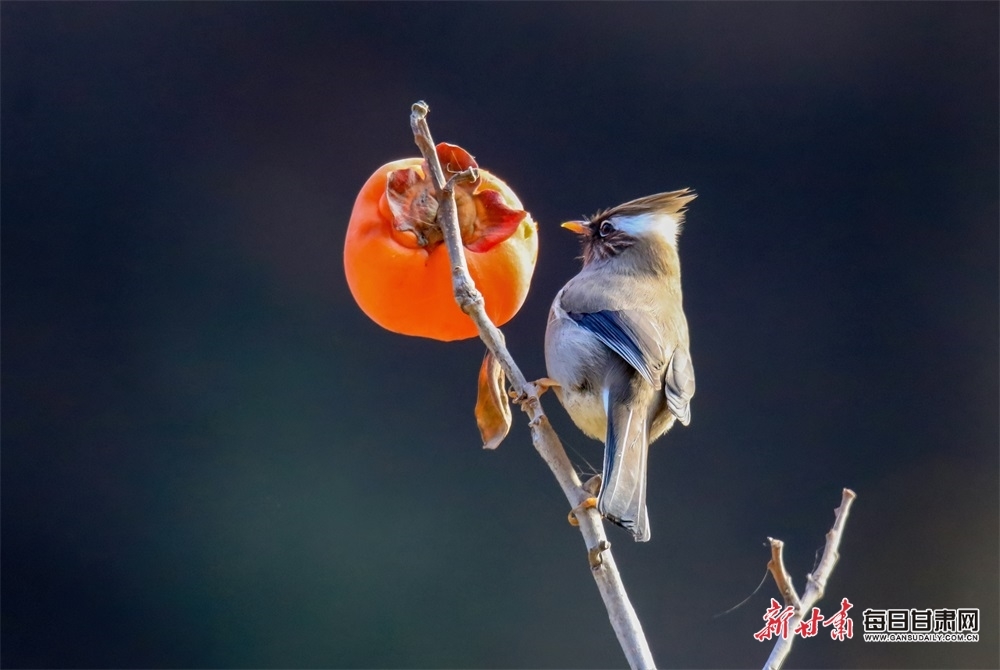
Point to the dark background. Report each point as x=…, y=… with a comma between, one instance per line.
x=212, y=458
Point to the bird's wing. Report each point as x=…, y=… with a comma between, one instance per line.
x=630, y=334
x=623, y=481
x=679, y=386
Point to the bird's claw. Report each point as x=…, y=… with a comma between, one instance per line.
x=517, y=397
x=589, y=503
x=544, y=384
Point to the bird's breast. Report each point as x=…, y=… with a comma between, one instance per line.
x=587, y=411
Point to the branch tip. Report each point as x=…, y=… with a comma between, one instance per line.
x=776, y=566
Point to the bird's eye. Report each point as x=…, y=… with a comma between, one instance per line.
x=606, y=228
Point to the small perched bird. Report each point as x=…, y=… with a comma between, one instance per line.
x=616, y=344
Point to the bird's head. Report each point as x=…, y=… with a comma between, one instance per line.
x=651, y=221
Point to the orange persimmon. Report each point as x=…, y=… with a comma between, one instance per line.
x=396, y=261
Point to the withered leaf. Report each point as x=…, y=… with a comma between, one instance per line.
x=492, y=404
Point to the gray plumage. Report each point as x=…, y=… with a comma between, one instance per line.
x=617, y=344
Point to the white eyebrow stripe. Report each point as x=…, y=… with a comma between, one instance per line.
x=656, y=223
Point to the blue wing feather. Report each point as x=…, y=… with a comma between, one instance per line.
x=615, y=330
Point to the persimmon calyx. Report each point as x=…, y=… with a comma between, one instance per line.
x=484, y=219
x=411, y=200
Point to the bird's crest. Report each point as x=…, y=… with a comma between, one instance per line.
x=673, y=203
x=601, y=240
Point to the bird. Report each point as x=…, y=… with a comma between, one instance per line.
x=617, y=350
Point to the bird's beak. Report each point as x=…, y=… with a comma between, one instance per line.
x=578, y=227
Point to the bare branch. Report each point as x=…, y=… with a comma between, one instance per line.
x=620, y=612
x=816, y=581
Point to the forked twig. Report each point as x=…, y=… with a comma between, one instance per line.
x=815, y=581
x=622, y=615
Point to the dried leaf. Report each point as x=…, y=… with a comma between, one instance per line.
x=492, y=404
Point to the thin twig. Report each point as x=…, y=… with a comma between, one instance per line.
x=816, y=581
x=777, y=567
x=622, y=615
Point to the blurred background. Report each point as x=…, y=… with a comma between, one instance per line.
x=212, y=458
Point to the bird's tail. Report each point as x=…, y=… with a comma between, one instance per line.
x=623, y=488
